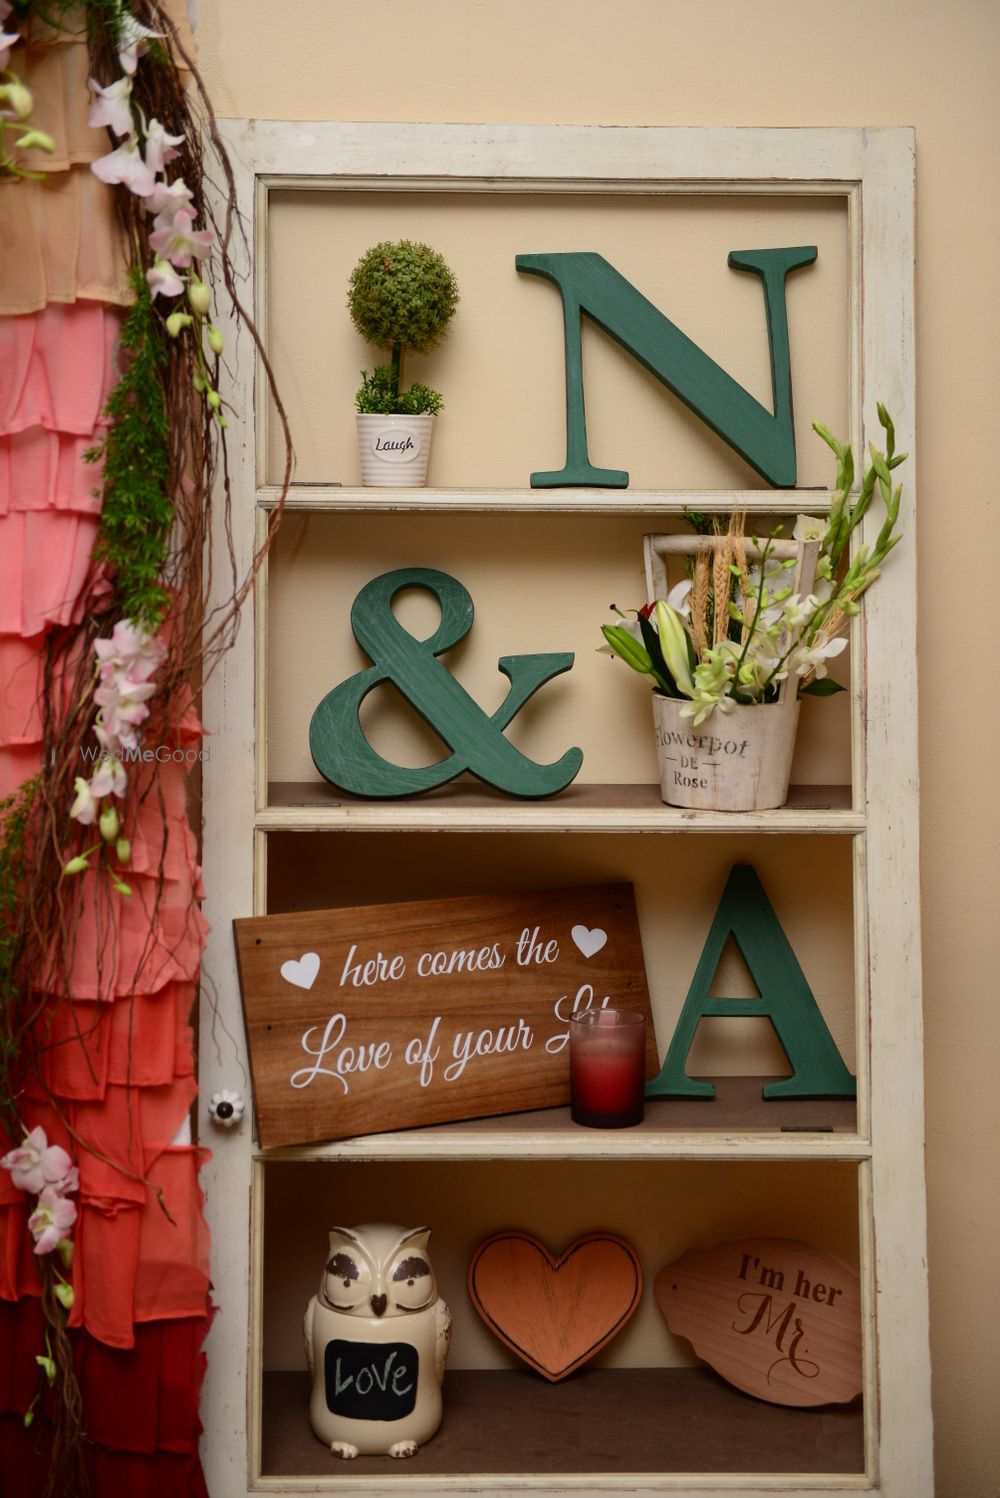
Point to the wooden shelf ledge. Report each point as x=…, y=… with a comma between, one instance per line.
x=464, y=806
x=510, y=1424
x=335, y=498
x=736, y=1123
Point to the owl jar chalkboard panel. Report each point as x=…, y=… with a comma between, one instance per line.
x=376, y=1340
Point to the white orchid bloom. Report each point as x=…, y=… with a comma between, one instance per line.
x=85, y=807
x=133, y=40
x=125, y=165
x=160, y=147
x=163, y=280
x=180, y=241
x=8, y=39
x=109, y=779
x=165, y=199
x=703, y=705
x=111, y=106
x=132, y=648
x=810, y=528
x=813, y=658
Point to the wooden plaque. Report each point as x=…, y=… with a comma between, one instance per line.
x=555, y=1312
x=779, y=1319
x=391, y=1016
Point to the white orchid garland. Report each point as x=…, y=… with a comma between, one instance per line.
x=128, y=660
x=773, y=632
x=125, y=666
x=139, y=164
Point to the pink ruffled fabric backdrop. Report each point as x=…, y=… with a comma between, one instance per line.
x=117, y=1069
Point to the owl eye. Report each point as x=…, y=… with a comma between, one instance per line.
x=413, y=1282
x=344, y=1271
x=342, y=1266
x=411, y=1269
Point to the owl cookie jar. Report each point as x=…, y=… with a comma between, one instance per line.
x=376, y=1342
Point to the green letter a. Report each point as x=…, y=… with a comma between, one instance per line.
x=588, y=283
x=818, y=1068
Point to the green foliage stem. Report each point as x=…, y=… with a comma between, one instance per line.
x=138, y=511
x=379, y=395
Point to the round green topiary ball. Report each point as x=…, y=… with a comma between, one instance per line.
x=402, y=293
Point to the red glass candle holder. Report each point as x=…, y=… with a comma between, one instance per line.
x=607, y=1068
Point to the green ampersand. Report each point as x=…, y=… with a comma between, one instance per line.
x=344, y=756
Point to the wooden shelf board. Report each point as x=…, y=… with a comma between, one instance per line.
x=468, y=806
x=737, y=1122
x=335, y=498
x=614, y=1421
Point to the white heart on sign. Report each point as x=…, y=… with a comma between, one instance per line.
x=301, y=973
x=589, y=942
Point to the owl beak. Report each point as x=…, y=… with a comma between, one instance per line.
x=378, y=1303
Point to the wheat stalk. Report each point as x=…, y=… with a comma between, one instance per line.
x=722, y=577
x=699, y=603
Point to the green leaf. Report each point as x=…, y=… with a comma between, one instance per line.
x=822, y=688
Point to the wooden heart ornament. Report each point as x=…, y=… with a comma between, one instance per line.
x=555, y=1312
x=779, y=1319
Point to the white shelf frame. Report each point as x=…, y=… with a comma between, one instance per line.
x=872, y=169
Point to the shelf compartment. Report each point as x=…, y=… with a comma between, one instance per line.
x=677, y=881
x=646, y=1404
x=306, y=806
x=612, y=1421
x=573, y=573
x=737, y=1123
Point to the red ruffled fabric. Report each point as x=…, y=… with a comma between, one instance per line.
x=140, y=1408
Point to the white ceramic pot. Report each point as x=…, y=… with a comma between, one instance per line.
x=394, y=450
x=737, y=761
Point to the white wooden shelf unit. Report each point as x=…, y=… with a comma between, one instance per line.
x=873, y=170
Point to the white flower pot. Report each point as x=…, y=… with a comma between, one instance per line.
x=394, y=450
x=736, y=761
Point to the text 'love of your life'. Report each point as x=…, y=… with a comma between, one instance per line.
x=376, y=1017
x=336, y=1057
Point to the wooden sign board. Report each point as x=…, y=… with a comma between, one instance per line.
x=392, y=1016
x=779, y=1319
x=555, y=1312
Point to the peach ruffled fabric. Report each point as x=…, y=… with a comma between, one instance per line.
x=59, y=239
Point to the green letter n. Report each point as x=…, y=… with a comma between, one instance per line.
x=588, y=283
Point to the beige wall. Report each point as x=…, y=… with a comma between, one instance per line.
x=782, y=62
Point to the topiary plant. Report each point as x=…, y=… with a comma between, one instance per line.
x=401, y=296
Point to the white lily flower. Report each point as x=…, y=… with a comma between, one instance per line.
x=673, y=643
x=678, y=597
